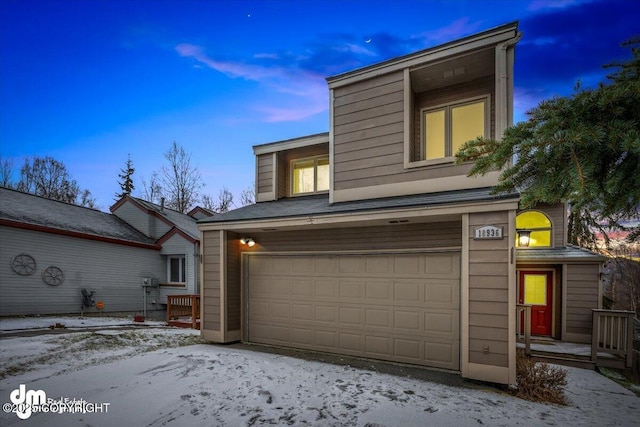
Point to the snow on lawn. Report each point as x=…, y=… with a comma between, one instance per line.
x=157, y=377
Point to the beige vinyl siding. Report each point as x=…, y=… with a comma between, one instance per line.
x=233, y=282
x=489, y=293
x=582, y=296
x=401, y=236
x=264, y=179
x=368, y=128
x=283, y=173
x=369, y=131
x=556, y=214
x=211, y=281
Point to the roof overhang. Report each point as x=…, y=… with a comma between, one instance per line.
x=569, y=254
x=363, y=218
x=461, y=46
x=289, y=144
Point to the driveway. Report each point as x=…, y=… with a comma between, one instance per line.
x=162, y=376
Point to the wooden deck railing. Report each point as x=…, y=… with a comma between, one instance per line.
x=183, y=306
x=613, y=334
x=523, y=314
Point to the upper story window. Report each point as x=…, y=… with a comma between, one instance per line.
x=176, y=269
x=533, y=230
x=310, y=175
x=446, y=128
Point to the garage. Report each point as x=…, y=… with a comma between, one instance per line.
x=402, y=307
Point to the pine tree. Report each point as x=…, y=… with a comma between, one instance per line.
x=126, y=183
x=582, y=149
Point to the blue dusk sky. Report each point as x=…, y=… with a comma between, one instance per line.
x=92, y=82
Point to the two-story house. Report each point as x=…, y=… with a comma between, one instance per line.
x=368, y=240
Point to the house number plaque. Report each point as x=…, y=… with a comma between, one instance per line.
x=487, y=232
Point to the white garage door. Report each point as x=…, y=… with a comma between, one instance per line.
x=399, y=307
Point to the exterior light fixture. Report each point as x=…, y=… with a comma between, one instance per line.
x=247, y=241
x=524, y=238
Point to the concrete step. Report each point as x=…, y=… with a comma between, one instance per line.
x=573, y=360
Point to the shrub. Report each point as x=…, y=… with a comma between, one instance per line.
x=538, y=381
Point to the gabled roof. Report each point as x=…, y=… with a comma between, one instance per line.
x=183, y=222
x=568, y=253
x=319, y=205
x=22, y=210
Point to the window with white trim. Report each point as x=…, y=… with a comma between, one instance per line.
x=310, y=175
x=176, y=269
x=446, y=128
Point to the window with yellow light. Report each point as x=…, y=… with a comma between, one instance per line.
x=533, y=230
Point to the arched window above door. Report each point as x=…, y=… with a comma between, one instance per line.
x=533, y=230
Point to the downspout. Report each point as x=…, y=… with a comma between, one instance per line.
x=504, y=85
x=196, y=268
x=504, y=119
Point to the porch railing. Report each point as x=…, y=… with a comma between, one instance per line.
x=612, y=334
x=523, y=315
x=183, y=306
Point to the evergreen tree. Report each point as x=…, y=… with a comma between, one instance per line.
x=126, y=183
x=583, y=149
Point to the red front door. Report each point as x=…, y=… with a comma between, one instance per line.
x=536, y=289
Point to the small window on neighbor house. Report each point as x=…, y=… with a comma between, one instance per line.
x=446, y=129
x=539, y=227
x=310, y=175
x=176, y=269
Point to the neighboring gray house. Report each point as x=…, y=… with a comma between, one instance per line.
x=50, y=251
x=178, y=236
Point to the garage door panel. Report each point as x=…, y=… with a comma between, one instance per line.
x=302, y=337
x=379, y=306
x=375, y=290
x=351, y=342
x=326, y=288
x=301, y=311
x=441, y=294
x=443, y=264
x=280, y=333
x=326, y=265
x=408, y=291
x=441, y=354
x=302, y=287
x=408, y=321
x=353, y=264
x=326, y=340
x=407, y=349
x=351, y=316
x=280, y=310
x=443, y=324
x=326, y=313
x=378, y=346
x=377, y=317
x=408, y=265
x=303, y=264
x=270, y=287
x=350, y=289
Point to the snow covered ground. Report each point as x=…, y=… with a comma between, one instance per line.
x=159, y=376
